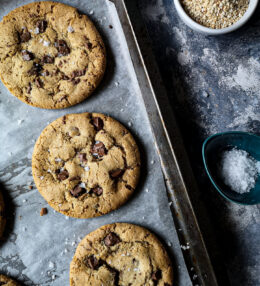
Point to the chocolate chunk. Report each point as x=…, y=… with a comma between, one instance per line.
x=38, y=83
x=41, y=25
x=82, y=157
x=92, y=262
x=157, y=275
x=77, y=191
x=116, y=173
x=98, y=150
x=167, y=284
x=62, y=48
x=97, y=190
x=29, y=88
x=75, y=178
x=44, y=211
x=25, y=36
x=2, y=283
x=27, y=56
x=111, y=239
x=64, y=77
x=75, y=81
x=63, y=175
x=35, y=70
x=78, y=73
x=47, y=60
x=98, y=123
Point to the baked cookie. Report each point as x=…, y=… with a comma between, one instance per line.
x=120, y=254
x=50, y=55
x=2, y=215
x=6, y=281
x=85, y=165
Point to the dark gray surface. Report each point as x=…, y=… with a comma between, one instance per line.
x=214, y=86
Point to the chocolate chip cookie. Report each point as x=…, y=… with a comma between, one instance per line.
x=121, y=254
x=51, y=56
x=2, y=215
x=85, y=165
x=6, y=281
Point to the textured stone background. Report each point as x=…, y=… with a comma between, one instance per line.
x=214, y=85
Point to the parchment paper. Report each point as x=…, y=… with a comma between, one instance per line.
x=37, y=250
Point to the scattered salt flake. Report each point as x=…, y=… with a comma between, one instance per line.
x=46, y=43
x=41, y=177
x=130, y=124
x=59, y=205
x=65, y=250
x=70, y=29
x=53, y=276
x=192, y=268
x=169, y=244
x=20, y=121
x=73, y=243
x=136, y=269
x=152, y=162
x=57, y=159
x=109, y=261
x=205, y=94
x=82, y=185
x=143, y=217
x=86, y=168
x=41, y=40
x=36, y=31
x=66, y=217
x=194, y=276
x=24, y=201
x=51, y=264
x=91, y=12
x=10, y=153
x=185, y=247
x=147, y=190
x=179, y=229
x=170, y=203
x=128, y=269
x=117, y=83
x=49, y=170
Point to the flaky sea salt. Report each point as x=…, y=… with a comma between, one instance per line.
x=239, y=170
x=70, y=29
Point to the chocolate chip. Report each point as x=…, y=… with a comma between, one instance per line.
x=116, y=173
x=29, y=88
x=35, y=70
x=44, y=211
x=82, y=157
x=77, y=191
x=89, y=45
x=98, y=123
x=62, y=47
x=78, y=73
x=63, y=175
x=41, y=25
x=157, y=275
x=98, y=150
x=47, y=60
x=25, y=36
x=38, y=83
x=2, y=283
x=92, y=262
x=27, y=56
x=97, y=190
x=111, y=239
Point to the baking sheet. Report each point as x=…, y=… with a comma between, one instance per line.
x=38, y=250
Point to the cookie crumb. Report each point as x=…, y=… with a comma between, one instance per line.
x=30, y=187
x=43, y=212
x=110, y=27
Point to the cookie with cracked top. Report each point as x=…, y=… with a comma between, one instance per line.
x=6, y=281
x=2, y=215
x=50, y=55
x=121, y=254
x=86, y=165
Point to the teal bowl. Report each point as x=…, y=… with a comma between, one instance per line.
x=214, y=145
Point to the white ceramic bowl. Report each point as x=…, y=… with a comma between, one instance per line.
x=202, y=29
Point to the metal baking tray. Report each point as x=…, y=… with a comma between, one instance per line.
x=133, y=93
